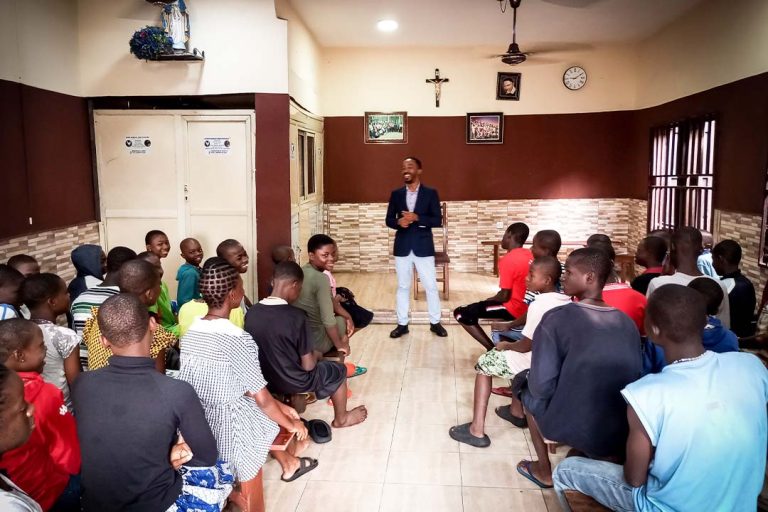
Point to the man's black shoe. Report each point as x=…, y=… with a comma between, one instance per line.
x=399, y=331
x=438, y=329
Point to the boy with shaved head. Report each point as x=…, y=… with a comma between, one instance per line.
x=128, y=416
x=188, y=275
x=585, y=353
x=693, y=443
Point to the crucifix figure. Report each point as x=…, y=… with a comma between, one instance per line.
x=438, y=85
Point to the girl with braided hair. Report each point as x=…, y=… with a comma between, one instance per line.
x=17, y=419
x=221, y=362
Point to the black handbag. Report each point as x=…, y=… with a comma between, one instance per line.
x=361, y=317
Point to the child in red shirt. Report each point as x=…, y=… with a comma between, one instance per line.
x=47, y=466
x=508, y=303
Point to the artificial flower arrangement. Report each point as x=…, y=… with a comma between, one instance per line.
x=150, y=42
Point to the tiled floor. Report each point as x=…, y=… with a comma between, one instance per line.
x=401, y=458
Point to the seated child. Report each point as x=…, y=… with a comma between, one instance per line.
x=25, y=264
x=80, y=308
x=356, y=316
x=47, y=298
x=650, y=254
x=684, y=250
x=545, y=243
x=197, y=308
x=18, y=423
x=508, y=303
x=563, y=398
x=704, y=261
x=327, y=330
x=158, y=245
x=741, y=293
x=141, y=279
x=10, y=298
x=621, y=295
x=91, y=264
x=716, y=337
x=47, y=466
x=286, y=352
x=691, y=445
x=236, y=255
x=509, y=359
x=221, y=361
x=128, y=415
x=188, y=275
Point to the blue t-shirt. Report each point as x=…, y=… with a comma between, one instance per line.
x=707, y=420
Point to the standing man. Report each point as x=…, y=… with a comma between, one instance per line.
x=412, y=212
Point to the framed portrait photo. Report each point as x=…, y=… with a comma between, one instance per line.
x=508, y=86
x=485, y=128
x=386, y=127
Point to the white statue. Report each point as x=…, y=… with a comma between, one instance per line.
x=176, y=24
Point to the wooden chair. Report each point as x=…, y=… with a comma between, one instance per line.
x=442, y=260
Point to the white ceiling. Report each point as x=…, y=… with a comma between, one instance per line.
x=352, y=23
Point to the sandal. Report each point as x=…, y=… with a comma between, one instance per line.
x=306, y=465
x=503, y=391
x=353, y=370
x=524, y=468
x=462, y=434
x=504, y=413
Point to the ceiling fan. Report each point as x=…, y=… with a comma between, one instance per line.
x=513, y=55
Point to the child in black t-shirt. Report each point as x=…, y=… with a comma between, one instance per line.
x=650, y=254
x=288, y=359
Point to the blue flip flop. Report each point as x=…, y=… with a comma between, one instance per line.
x=524, y=468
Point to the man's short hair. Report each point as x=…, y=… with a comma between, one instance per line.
x=21, y=259
x=678, y=311
x=117, y=256
x=225, y=246
x=730, y=250
x=38, y=288
x=16, y=334
x=711, y=291
x=519, y=232
x=317, y=241
x=288, y=270
x=9, y=275
x=592, y=259
x=152, y=234
x=656, y=247
x=550, y=266
x=415, y=160
x=123, y=319
x=137, y=276
x=550, y=240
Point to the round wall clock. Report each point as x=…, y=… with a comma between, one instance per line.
x=574, y=78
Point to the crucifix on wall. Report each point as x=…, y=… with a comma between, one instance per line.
x=438, y=82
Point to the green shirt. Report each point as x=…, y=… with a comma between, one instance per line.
x=316, y=301
x=163, y=309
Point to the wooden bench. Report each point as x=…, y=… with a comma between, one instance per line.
x=583, y=503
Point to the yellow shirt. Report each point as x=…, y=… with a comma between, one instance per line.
x=98, y=354
x=198, y=309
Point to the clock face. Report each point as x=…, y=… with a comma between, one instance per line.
x=574, y=78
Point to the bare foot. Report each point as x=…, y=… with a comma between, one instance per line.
x=291, y=466
x=299, y=447
x=353, y=417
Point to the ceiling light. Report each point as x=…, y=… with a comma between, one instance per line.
x=387, y=25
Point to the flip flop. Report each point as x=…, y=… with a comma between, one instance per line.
x=462, y=434
x=524, y=468
x=319, y=431
x=306, y=465
x=503, y=391
x=353, y=370
x=503, y=412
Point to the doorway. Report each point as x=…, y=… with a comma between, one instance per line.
x=187, y=173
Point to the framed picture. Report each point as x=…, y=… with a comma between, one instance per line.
x=485, y=128
x=508, y=86
x=386, y=127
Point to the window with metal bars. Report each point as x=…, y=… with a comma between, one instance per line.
x=681, y=175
